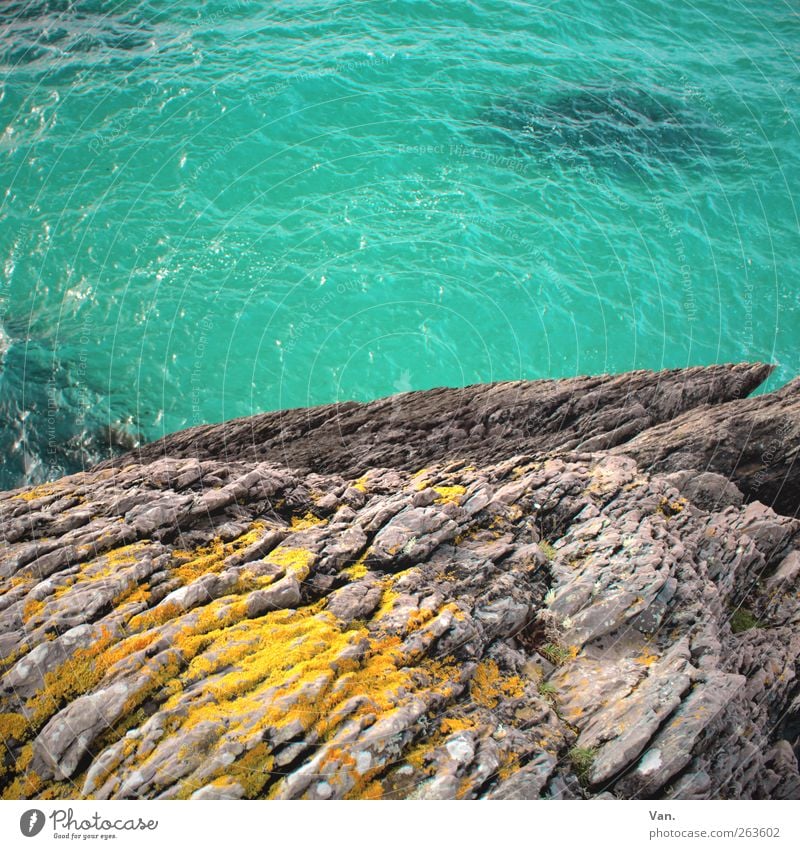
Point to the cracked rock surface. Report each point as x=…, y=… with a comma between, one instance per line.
x=555, y=589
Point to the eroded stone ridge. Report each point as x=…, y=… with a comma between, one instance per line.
x=552, y=624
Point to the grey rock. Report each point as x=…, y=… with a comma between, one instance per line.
x=513, y=591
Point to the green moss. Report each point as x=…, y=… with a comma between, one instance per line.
x=743, y=620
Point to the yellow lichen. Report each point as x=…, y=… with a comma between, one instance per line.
x=211, y=558
x=449, y=494
x=33, y=608
x=360, y=484
x=420, y=479
x=42, y=491
x=72, y=678
x=669, y=508
x=132, y=595
x=252, y=770
x=123, y=556
x=111, y=656
x=296, y=667
x=358, y=570
x=388, y=599
x=303, y=523
x=13, y=726
x=374, y=790
x=489, y=685
x=646, y=658
x=452, y=725
x=27, y=784
x=295, y=561
x=417, y=618
x=155, y=617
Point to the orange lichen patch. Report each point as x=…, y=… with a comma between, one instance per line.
x=374, y=790
x=646, y=658
x=252, y=770
x=418, y=756
x=509, y=762
x=155, y=617
x=449, y=494
x=157, y=676
x=9, y=660
x=489, y=685
x=110, y=564
x=514, y=512
x=219, y=614
x=72, y=678
x=298, y=668
x=464, y=787
x=27, y=783
x=458, y=614
x=295, y=561
x=13, y=726
x=133, y=595
x=61, y=790
x=211, y=558
x=452, y=725
x=126, y=648
x=337, y=757
x=417, y=618
x=282, y=653
x=303, y=523
x=207, y=559
x=421, y=756
x=65, y=587
x=33, y=607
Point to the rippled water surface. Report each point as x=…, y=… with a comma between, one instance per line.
x=211, y=209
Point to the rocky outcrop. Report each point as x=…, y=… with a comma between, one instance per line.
x=556, y=589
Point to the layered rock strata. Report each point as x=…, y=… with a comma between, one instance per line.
x=554, y=589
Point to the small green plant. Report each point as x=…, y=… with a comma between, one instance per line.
x=743, y=620
x=582, y=759
x=547, y=690
x=557, y=655
x=547, y=549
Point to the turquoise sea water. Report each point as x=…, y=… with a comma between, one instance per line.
x=211, y=209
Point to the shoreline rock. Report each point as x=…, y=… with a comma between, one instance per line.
x=555, y=589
